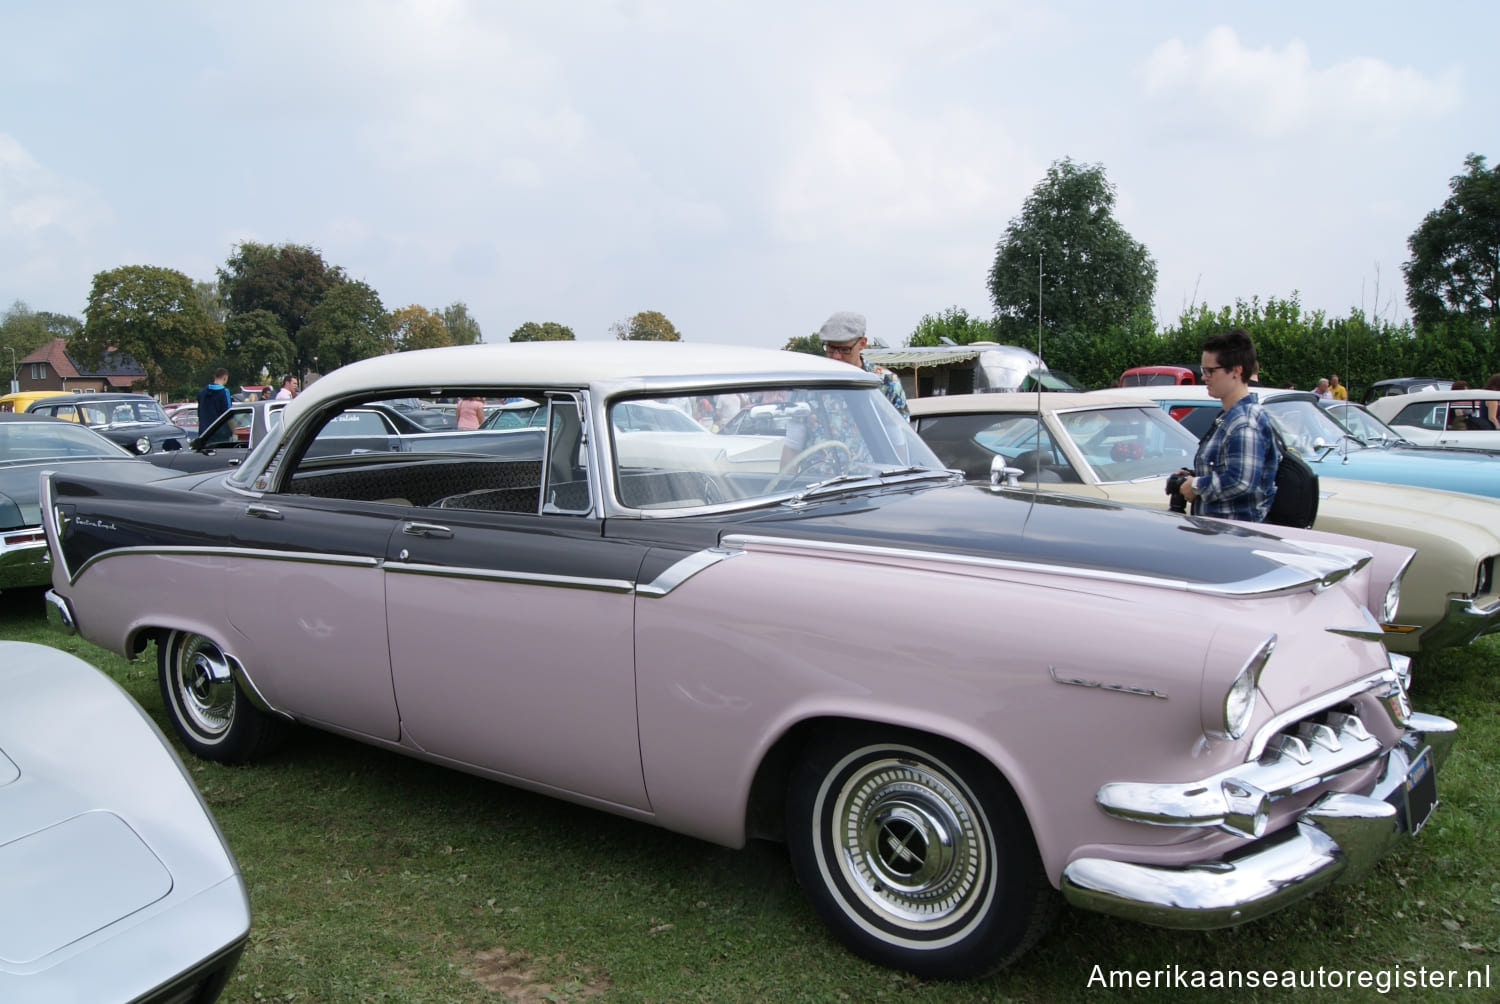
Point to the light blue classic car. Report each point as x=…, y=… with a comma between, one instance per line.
x=1332, y=450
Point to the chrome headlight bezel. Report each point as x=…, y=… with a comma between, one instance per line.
x=1392, y=600
x=143, y=445
x=1232, y=716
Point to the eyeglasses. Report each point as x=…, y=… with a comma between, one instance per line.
x=841, y=350
x=1209, y=369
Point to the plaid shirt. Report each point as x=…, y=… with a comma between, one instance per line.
x=1235, y=469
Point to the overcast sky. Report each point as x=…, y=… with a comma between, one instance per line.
x=745, y=168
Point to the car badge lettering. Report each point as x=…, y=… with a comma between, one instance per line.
x=1118, y=688
x=96, y=524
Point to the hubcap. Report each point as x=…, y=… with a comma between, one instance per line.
x=911, y=843
x=205, y=687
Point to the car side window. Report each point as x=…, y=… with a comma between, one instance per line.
x=357, y=454
x=1424, y=416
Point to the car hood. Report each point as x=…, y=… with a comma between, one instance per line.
x=1470, y=471
x=1042, y=528
x=20, y=484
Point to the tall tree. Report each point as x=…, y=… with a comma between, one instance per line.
x=547, y=331
x=347, y=325
x=462, y=329
x=1455, y=253
x=256, y=350
x=417, y=327
x=288, y=280
x=811, y=344
x=647, y=326
x=154, y=316
x=1093, y=275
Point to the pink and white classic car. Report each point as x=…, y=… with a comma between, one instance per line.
x=785, y=631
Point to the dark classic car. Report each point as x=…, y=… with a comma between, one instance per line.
x=116, y=882
x=233, y=434
x=135, y=421
x=691, y=629
x=29, y=445
x=1403, y=385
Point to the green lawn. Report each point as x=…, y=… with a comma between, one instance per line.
x=377, y=878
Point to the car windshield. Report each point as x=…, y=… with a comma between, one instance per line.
x=673, y=452
x=1363, y=425
x=1305, y=427
x=22, y=441
x=1129, y=444
x=102, y=414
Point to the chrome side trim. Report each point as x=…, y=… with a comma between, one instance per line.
x=683, y=570
x=1285, y=579
x=1370, y=630
x=1118, y=688
x=524, y=578
x=306, y=557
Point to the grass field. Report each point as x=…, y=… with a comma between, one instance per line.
x=377, y=878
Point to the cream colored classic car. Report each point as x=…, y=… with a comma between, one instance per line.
x=1122, y=448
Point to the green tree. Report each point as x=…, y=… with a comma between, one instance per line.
x=347, y=325
x=1455, y=253
x=811, y=344
x=547, y=331
x=462, y=329
x=288, y=280
x=23, y=331
x=953, y=324
x=256, y=350
x=1093, y=275
x=415, y=327
x=647, y=326
x=154, y=316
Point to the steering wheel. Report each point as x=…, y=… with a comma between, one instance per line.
x=795, y=465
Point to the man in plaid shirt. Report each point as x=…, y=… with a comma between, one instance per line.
x=1234, y=473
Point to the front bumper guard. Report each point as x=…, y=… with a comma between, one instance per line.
x=1337, y=838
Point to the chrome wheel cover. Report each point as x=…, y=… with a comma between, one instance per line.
x=204, y=688
x=911, y=845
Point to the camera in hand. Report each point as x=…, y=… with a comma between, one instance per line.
x=1174, y=491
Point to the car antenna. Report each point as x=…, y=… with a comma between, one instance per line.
x=1037, y=381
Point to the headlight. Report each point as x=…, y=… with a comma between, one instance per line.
x=143, y=445
x=1233, y=715
x=1392, y=600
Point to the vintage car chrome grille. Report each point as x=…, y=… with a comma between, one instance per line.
x=1293, y=752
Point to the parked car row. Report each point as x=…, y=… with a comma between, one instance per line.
x=916, y=780
x=1114, y=445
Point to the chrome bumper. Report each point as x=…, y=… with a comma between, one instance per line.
x=24, y=559
x=1464, y=621
x=1337, y=838
x=60, y=613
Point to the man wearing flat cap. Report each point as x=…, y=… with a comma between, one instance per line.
x=843, y=337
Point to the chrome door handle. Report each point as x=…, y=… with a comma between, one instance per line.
x=427, y=530
x=262, y=511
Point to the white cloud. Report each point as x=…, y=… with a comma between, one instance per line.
x=1280, y=93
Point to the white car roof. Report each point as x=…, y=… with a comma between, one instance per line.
x=609, y=367
x=1395, y=402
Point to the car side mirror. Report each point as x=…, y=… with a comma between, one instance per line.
x=1001, y=473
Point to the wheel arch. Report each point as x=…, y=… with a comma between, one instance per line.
x=766, y=803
